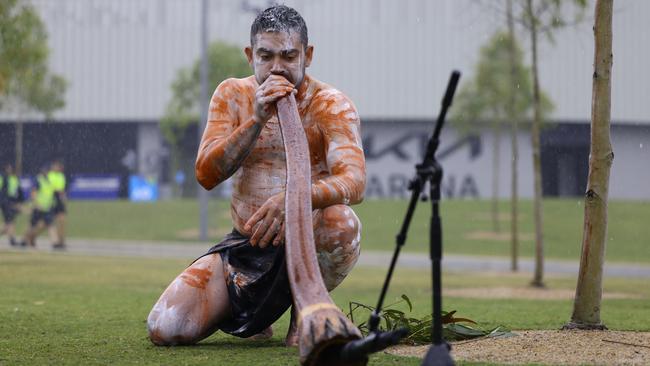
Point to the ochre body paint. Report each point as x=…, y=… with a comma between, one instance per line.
x=234, y=145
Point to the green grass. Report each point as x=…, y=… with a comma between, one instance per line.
x=58, y=309
x=629, y=234
x=173, y=220
x=63, y=309
x=618, y=314
x=464, y=225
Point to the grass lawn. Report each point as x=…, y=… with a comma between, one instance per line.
x=467, y=228
x=64, y=309
x=466, y=225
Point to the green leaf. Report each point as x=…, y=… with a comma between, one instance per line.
x=460, y=332
x=408, y=301
x=183, y=109
x=420, y=329
x=500, y=78
x=25, y=79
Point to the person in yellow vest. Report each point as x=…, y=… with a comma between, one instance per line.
x=10, y=198
x=57, y=180
x=42, y=203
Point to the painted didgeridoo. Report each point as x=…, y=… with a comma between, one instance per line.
x=323, y=328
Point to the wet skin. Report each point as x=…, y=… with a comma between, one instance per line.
x=242, y=139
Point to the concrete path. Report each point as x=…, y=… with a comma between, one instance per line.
x=191, y=250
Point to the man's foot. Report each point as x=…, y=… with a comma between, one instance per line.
x=58, y=246
x=13, y=242
x=292, y=337
x=291, y=340
x=263, y=335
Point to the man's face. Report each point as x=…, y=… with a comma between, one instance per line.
x=279, y=53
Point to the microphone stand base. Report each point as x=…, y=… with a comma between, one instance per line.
x=438, y=355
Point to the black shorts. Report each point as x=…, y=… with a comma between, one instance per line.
x=257, y=282
x=59, y=206
x=46, y=216
x=9, y=212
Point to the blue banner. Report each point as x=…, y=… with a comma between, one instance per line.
x=94, y=187
x=142, y=189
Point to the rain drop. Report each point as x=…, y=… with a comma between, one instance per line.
x=641, y=145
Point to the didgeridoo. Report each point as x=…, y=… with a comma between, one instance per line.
x=323, y=328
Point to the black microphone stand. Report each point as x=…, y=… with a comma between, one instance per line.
x=428, y=171
x=431, y=170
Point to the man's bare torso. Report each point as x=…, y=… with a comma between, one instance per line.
x=331, y=125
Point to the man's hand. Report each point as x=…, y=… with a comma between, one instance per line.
x=272, y=89
x=267, y=223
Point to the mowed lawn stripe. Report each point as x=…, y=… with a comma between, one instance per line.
x=65, y=309
x=466, y=225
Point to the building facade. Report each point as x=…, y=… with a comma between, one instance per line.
x=393, y=58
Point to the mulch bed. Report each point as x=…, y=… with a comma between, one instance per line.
x=550, y=347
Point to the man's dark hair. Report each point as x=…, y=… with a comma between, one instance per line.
x=279, y=18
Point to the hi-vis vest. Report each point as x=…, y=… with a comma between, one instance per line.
x=45, y=194
x=12, y=186
x=57, y=180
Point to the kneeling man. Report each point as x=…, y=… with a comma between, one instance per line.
x=240, y=286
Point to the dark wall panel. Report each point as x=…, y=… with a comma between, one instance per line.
x=86, y=148
x=565, y=160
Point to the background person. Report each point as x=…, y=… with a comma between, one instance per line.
x=42, y=198
x=11, y=195
x=56, y=177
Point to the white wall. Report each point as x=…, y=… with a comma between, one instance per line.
x=630, y=173
x=391, y=57
x=395, y=149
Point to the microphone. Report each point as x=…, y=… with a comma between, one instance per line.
x=374, y=342
x=451, y=88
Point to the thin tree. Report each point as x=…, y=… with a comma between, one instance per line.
x=535, y=17
x=537, y=161
x=514, y=144
x=500, y=91
x=182, y=110
x=26, y=84
x=541, y=17
x=587, y=302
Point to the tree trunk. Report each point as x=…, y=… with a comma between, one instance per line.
x=495, y=177
x=537, y=166
x=514, y=196
x=175, y=165
x=19, y=143
x=587, y=302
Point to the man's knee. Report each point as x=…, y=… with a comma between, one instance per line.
x=338, y=227
x=338, y=234
x=167, y=329
x=191, y=305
